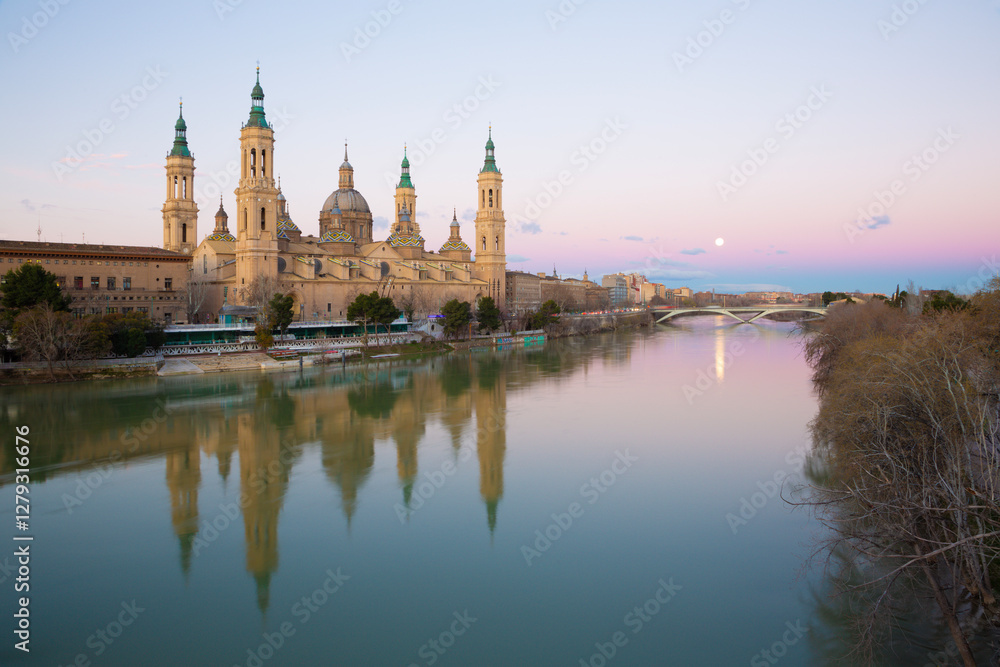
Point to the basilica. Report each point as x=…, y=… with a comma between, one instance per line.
x=323, y=272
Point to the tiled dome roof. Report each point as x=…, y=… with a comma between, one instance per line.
x=337, y=236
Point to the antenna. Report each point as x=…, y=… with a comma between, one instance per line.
x=39, y=226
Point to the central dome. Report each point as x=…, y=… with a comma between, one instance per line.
x=346, y=199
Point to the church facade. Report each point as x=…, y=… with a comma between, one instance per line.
x=324, y=271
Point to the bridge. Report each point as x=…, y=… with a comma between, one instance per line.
x=751, y=313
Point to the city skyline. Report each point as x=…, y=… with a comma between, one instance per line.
x=626, y=145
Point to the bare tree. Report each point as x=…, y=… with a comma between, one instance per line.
x=909, y=432
x=43, y=334
x=413, y=301
x=194, y=294
x=259, y=292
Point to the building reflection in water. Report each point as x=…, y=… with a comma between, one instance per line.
x=267, y=422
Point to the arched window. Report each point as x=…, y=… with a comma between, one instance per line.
x=484, y=198
x=263, y=162
x=484, y=243
x=175, y=187
x=244, y=163
x=184, y=232
x=491, y=197
x=253, y=162
x=244, y=226
x=185, y=180
x=262, y=219
x=498, y=243
x=204, y=264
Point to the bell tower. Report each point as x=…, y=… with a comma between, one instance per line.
x=180, y=212
x=491, y=257
x=256, y=197
x=406, y=199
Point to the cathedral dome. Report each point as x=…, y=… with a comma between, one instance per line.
x=347, y=200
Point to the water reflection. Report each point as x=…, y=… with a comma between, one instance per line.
x=268, y=421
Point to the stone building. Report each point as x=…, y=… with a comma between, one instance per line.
x=105, y=279
x=324, y=271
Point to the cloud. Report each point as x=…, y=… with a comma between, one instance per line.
x=468, y=215
x=31, y=206
x=739, y=288
x=877, y=221
x=632, y=238
x=380, y=222
x=563, y=233
x=518, y=258
x=530, y=228
x=656, y=275
x=693, y=251
x=780, y=252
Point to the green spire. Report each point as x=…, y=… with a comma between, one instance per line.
x=180, y=136
x=490, y=164
x=404, y=178
x=257, y=105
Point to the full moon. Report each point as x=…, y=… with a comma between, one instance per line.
x=719, y=241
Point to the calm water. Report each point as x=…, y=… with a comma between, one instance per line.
x=534, y=506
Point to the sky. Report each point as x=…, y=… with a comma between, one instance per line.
x=827, y=146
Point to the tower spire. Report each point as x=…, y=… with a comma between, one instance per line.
x=180, y=135
x=257, y=118
x=490, y=164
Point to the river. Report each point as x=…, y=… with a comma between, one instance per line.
x=615, y=499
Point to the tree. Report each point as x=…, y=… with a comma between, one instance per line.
x=131, y=333
x=457, y=316
x=27, y=287
x=259, y=292
x=262, y=332
x=487, y=314
x=43, y=334
x=545, y=315
x=945, y=301
x=910, y=443
x=656, y=300
x=194, y=294
x=280, y=313
x=372, y=309
x=413, y=301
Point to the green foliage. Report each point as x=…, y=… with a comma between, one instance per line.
x=830, y=297
x=457, y=316
x=487, y=314
x=280, y=312
x=545, y=315
x=29, y=286
x=131, y=333
x=372, y=309
x=945, y=301
x=262, y=332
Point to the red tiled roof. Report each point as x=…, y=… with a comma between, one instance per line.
x=89, y=249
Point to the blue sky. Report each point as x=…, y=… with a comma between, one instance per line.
x=631, y=135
